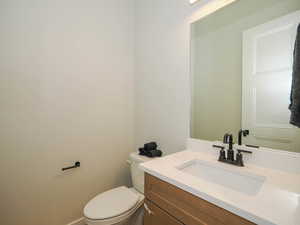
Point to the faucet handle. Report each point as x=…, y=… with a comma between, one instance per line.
x=244, y=151
x=219, y=146
x=222, y=156
x=239, y=157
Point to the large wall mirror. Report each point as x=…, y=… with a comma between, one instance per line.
x=242, y=59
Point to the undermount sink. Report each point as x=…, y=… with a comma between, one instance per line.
x=243, y=182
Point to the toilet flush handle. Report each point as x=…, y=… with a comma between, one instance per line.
x=148, y=210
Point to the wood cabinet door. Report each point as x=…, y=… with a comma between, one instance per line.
x=156, y=216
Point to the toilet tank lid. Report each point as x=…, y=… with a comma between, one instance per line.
x=111, y=203
x=137, y=158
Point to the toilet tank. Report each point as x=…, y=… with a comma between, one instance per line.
x=137, y=175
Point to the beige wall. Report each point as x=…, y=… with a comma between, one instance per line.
x=162, y=92
x=66, y=94
x=217, y=63
x=162, y=73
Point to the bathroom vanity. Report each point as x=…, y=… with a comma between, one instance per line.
x=193, y=188
x=170, y=205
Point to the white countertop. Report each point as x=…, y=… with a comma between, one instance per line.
x=276, y=203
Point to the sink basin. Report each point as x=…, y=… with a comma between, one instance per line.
x=243, y=182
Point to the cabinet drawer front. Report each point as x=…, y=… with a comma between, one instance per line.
x=186, y=207
x=156, y=216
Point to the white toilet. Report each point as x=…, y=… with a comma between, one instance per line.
x=122, y=205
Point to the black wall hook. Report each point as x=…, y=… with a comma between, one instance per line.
x=76, y=165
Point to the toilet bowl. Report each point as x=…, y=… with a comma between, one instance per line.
x=121, y=205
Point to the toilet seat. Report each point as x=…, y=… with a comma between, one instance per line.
x=113, y=206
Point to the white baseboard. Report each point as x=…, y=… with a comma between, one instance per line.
x=77, y=222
